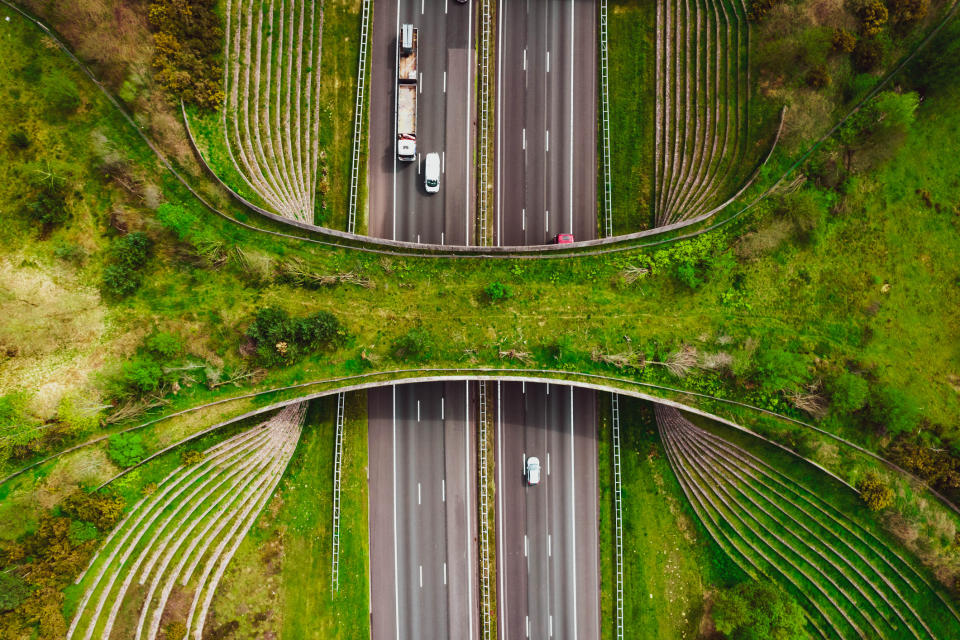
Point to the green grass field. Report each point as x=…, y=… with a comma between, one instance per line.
x=631, y=57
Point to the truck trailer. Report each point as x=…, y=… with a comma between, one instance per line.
x=407, y=88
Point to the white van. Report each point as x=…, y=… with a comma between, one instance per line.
x=431, y=173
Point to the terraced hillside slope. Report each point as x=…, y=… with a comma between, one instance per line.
x=271, y=110
x=851, y=583
x=702, y=138
x=161, y=565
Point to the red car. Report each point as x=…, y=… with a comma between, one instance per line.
x=563, y=238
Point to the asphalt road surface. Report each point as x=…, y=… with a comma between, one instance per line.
x=548, y=547
x=546, y=140
x=423, y=538
x=400, y=207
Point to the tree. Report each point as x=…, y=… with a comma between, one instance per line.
x=818, y=77
x=496, y=291
x=48, y=205
x=416, y=345
x=758, y=611
x=874, y=492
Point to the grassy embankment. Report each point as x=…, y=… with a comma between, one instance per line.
x=338, y=86
x=280, y=580
x=670, y=562
x=631, y=50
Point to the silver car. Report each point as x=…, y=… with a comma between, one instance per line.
x=533, y=470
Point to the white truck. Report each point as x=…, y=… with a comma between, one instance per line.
x=407, y=81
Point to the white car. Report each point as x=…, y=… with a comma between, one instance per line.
x=431, y=173
x=533, y=470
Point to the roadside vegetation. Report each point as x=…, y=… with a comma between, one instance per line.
x=123, y=298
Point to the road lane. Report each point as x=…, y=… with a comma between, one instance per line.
x=548, y=549
x=546, y=161
x=422, y=526
x=400, y=207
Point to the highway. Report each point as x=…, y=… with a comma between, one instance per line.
x=547, y=538
x=399, y=206
x=546, y=121
x=423, y=540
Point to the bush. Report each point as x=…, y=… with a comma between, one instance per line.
x=867, y=55
x=894, y=411
x=758, y=9
x=873, y=15
x=190, y=458
x=780, y=370
x=280, y=338
x=78, y=415
x=848, y=392
x=131, y=250
x=908, y=12
x=128, y=255
x=81, y=532
x=126, y=449
x=103, y=511
x=758, y=611
x=874, y=492
x=164, y=345
x=141, y=375
x=13, y=591
x=496, y=291
x=844, y=41
x=187, y=37
x=119, y=281
x=48, y=205
x=416, y=345
x=817, y=77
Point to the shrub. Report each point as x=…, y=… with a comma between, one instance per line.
x=844, y=41
x=867, y=55
x=119, y=281
x=416, y=345
x=103, y=511
x=48, y=205
x=81, y=532
x=131, y=250
x=280, y=338
x=128, y=255
x=874, y=492
x=908, y=12
x=164, y=345
x=894, y=411
x=187, y=37
x=141, y=375
x=780, y=370
x=873, y=15
x=13, y=591
x=817, y=77
x=758, y=611
x=758, y=9
x=496, y=291
x=190, y=458
x=78, y=415
x=126, y=449
x=848, y=392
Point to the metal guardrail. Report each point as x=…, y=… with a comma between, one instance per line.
x=358, y=117
x=486, y=44
x=618, y=512
x=487, y=613
x=337, y=464
x=605, y=123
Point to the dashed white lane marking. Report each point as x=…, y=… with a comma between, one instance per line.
x=548, y=62
x=548, y=141
x=524, y=545
x=524, y=138
x=443, y=490
x=421, y=576
x=418, y=494
x=444, y=81
x=444, y=573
